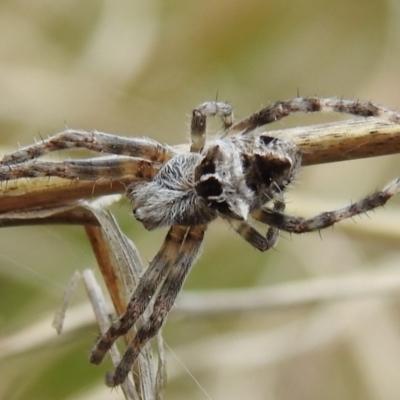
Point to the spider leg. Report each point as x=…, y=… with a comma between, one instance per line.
x=95, y=141
x=252, y=236
x=198, y=124
x=165, y=300
x=282, y=109
x=300, y=225
x=149, y=282
x=91, y=170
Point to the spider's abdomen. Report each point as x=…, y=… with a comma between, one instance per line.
x=170, y=198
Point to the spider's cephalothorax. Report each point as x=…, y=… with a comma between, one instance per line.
x=241, y=174
x=230, y=177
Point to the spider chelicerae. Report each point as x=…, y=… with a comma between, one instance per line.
x=241, y=174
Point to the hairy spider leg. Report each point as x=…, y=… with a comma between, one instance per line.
x=148, y=284
x=282, y=109
x=191, y=239
x=301, y=225
x=90, y=170
x=96, y=141
x=252, y=236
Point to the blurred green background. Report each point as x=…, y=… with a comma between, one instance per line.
x=138, y=68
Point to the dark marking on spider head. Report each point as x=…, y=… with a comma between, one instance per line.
x=210, y=187
x=217, y=181
x=266, y=140
x=207, y=182
x=208, y=163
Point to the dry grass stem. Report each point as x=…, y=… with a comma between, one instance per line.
x=100, y=311
x=296, y=294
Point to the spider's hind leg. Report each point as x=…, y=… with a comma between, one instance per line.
x=198, y=124
x=294, y=224
x=281, y=109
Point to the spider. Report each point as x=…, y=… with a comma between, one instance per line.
x=241, y=174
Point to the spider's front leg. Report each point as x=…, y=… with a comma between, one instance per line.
x=301, y=225
x=172, y=263
x=177, y=272
x=143, y=294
